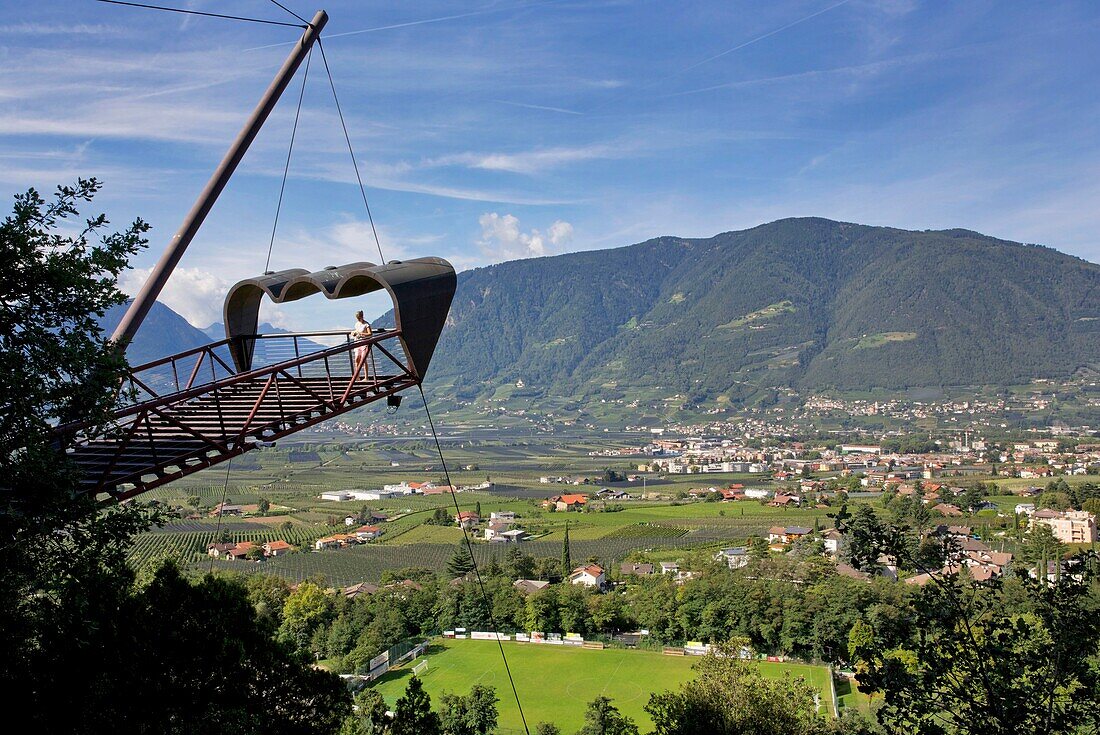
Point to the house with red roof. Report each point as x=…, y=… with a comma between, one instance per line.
x=590, y=575
x=467, y=518
x=277, y=548
x=564, y=503
x=367, y=533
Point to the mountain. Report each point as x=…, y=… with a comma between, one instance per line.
x=806, y=303
x=164, y=332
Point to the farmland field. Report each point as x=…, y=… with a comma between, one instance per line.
x=579, y=675
x=658, y=521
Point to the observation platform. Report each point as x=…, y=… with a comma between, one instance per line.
x=190, y=411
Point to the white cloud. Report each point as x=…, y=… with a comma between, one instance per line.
x=502, y=238
x=528, y=162
x=195, y=294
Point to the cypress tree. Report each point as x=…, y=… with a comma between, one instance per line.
x=566, y=559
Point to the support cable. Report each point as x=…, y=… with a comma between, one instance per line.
x=199, y=12
x=286, y=168
x=279, y=4
x=221, y=511
x=362, y=189
x=477, y=573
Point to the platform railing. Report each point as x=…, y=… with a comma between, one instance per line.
x=205, y=421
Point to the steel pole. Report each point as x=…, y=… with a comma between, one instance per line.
x=143, y=301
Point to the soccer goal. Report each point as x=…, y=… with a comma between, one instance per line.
x=420, y=666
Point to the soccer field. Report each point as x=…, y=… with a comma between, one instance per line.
x=555, y=683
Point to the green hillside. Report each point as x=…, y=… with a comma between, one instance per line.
x=806, y=303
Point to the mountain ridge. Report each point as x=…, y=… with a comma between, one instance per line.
x=800, y=302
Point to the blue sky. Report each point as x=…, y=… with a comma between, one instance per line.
x=487, y=131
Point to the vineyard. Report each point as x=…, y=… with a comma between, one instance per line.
x=646, y=530
x=367, y=563
x=189, y=547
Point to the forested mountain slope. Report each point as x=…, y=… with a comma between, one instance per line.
x=808, y=303
x=163, y=333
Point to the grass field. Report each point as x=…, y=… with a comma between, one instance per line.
x=555, y=683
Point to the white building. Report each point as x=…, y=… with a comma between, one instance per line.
x=734, y=558
x=591, y=575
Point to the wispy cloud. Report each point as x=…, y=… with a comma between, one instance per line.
x=528, y=162
x=543, y=108
x=63, y=29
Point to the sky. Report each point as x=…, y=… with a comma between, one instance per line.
x=488, y=131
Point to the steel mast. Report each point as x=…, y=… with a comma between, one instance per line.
x=143, y=301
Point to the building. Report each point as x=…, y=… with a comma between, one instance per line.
x=734, y=558
x=1069, y=527
x=591, y=575
x=670, y=567
x=225, y=509
x=530, y=586
x=335, y=541
x=467, y=518
x=363, y=588
x=367, y=533
x=277, y=548
x=629, y=569
x=787, y=534
x=564, y=503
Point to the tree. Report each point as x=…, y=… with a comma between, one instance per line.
x=519, y=565
x=1041, y=545
x=265, y=506
x=370, y=716
x=863, y=533
x=758, y=548
x=547, y=728
x=413, y=713
x=731, y=696
x=566, y=558
x=305, y=610
x=541, y=611
x=474, y=714
x=1054, y=500
x=1005, y=656
x=462, y=560
x=604, y=718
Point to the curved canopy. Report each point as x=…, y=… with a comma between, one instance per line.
x=421, y=290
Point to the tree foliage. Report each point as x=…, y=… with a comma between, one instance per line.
x=472, y=714
x=729, y=697
x=413, y=714
x=602, y=717
x=1007, y=656
x=85, y=648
